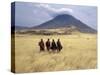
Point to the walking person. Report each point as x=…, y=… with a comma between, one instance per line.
x=48, y=44
x=59, y=46
x=41, y=45
x=53, y=45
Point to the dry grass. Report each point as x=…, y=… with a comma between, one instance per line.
x=79, y=52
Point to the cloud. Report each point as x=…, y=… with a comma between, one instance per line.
x=55, y=11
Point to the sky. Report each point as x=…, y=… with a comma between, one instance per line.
x=31, y=14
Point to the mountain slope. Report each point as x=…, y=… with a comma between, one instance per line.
x=65, y=20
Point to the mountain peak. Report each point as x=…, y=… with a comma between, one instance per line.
x=63, y=16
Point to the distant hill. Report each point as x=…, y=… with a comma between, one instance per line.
x=19, y=27
x=65, y=21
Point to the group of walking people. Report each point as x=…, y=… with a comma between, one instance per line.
x=50, y=46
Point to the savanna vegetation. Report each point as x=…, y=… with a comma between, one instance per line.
x=79, y=52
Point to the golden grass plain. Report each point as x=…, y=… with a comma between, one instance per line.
x=79, y=52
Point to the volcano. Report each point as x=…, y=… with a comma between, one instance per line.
x=65, y=21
